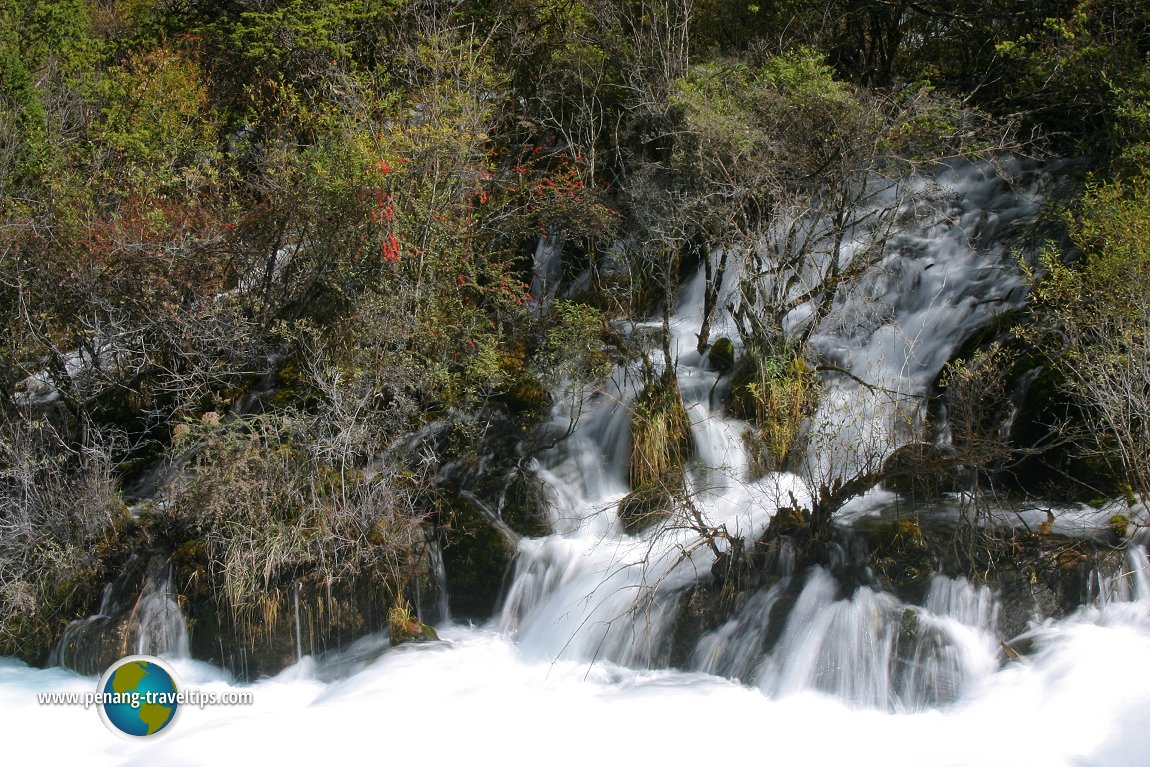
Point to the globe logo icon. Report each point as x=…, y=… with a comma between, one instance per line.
x=139, y=696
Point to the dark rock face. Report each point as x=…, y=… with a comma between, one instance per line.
x=156, y=607
x=477, y=553
x=722, y=356
x=523, y=505
x=268, y=637
x=921, y=471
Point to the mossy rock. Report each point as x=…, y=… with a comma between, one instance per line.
x=777, y=394
x=476, y=556
x=788, y=520
x=899, y=551
x=897, y=536
x=260, y=639
x=644, y=507
x=1118, y=526
x=526, y=395
x=524, y=505
x=404, y=628
x=921, y=470
x=722, y=356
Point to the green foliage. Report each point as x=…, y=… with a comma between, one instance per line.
x=158, y=124
x=572, y=349
x=56, y=33
x=661, y=445
x=22, y=124
x=777, y=393
x=1100, y=312
x=1083, y=71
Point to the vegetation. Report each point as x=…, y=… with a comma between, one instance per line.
x=777, y=394
x=254, y=256
x=1097, y=311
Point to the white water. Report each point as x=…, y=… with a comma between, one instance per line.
x=936, y=283
x=1082, y=699
x=568, y=673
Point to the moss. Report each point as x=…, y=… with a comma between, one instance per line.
x=722, y=356
x=1118, y=526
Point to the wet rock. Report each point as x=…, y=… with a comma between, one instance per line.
x=722, y=356
x=899, y=552
x=477, y=553
x=920, y=470
x=644, y=507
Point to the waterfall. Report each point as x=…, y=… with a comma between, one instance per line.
x=138, y=614
x=592, y=593
x=939, y=280
x=160, y=625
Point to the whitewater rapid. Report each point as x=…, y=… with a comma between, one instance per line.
x=1082, y=700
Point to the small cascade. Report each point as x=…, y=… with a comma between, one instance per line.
x=868, y=648
x=737, y=648
x=898, y=324
x=433, y=609
x=138, y=615
x=592, y=593
x=545, y=277
x=160, y=627
x=954, y=644
x=842, y=647
x=1129, y=582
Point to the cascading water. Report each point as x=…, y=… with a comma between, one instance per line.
x=593, y=594
x=131, y=619
x=828, y=670
x=896, y=326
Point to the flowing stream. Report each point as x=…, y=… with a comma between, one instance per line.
x=810, y=669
